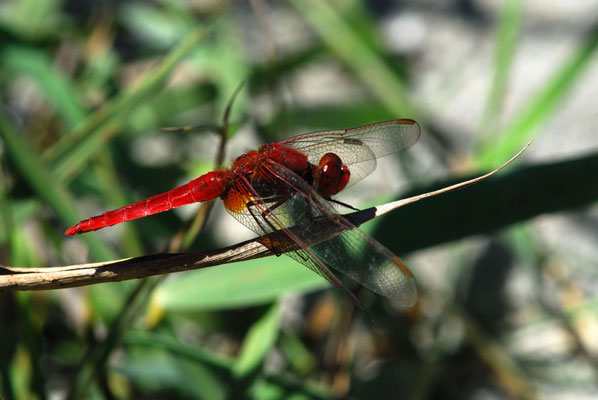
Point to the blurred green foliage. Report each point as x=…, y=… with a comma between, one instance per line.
x=85, y=86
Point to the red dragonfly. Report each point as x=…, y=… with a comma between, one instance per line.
x=287, y=188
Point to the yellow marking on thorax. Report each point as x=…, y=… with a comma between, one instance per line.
x=236, y=201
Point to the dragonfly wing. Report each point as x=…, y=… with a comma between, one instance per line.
x=348, y=249
x=362, y=258
x=358, y=147
x=324, y=237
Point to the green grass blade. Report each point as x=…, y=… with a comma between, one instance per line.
x=508, y=198
x=56, y=87
x=75, y=148
x=195, y=353
x=368, y=65
x=506, y=40
x=33, y=19
x=258, y=342
x=236, y=285
x=539, y=110
x=66, y=168
x=47, y=186
x=297, y=354
x=159, y=27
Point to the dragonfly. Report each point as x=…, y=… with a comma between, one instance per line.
x=288, y=188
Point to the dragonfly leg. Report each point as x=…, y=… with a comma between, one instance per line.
x=340, y=203
x=279, y=201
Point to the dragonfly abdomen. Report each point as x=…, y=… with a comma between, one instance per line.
x=206, y=187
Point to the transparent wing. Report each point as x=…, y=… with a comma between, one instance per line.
x=358, y=147
x=321, y=235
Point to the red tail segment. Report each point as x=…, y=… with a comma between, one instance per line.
x=206, y=187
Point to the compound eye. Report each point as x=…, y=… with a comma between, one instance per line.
x=333, y=175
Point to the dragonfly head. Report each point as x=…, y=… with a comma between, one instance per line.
x=332, y=176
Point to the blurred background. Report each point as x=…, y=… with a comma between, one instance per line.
x=507, y=270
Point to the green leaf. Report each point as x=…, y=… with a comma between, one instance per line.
x=541, y=108
x=355, y=52
x=47, y=186
x=56, y=88
x=236, y=285
x=15, y=213
x=297, y=354
x=506, y=40
x=33, y=19
x=260, y=339
x=507, y=198
x=195, y=353
x=74, y=149
x=155, y=370
x=157, y=26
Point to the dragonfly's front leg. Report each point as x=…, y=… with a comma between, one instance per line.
x=340, y=203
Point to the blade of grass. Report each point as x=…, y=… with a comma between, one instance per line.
x=97, y=356
x=32, y=342
x=508, y=198
x=142, y=117
x=297, y=353
x=8, y=335
x=47, y=186
x=15, y=213
x=545, y=102
x=357, y=55
x=223, y=364
x=258, y=342
x=198, y=354
x=76, y=147
x=6, y=209
x=506, y=40
x=166, y=104
x=66, y=168
x=244, y=284
x=53, y=84
x=35, y=20
x=159, y=27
